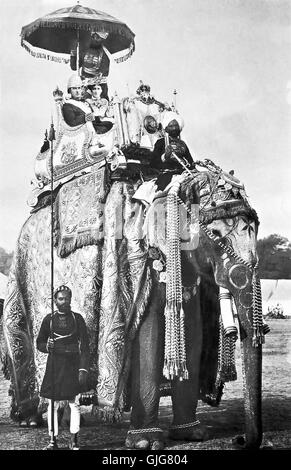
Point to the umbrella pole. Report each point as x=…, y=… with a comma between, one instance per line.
x=78, y=52
x=51, y=139
x=175, y=99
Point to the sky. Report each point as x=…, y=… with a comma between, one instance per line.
x=229, y=61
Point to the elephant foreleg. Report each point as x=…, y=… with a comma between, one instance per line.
x=147, y=362
x=185, y=425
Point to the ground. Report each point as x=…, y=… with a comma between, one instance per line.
x=223, y=423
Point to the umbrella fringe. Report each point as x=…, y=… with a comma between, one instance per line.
x=124, y=57
x=41, y=54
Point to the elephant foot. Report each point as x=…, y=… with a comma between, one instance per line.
x=189, y=432
x=240, y=442
x=145, y=439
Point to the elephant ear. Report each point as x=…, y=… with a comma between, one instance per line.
x=210, y=311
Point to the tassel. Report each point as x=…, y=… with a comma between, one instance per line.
x=258, y=326
x=175, y=353
x=107, y=414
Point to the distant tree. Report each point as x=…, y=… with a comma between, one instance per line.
x=5, y=261
x=274, y=254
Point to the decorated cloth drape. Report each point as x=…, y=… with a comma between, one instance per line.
x=103, y=280
x=28, y=302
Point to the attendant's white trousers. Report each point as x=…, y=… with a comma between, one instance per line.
x=75, y=416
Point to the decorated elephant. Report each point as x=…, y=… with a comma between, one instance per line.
x=225, y=260
x=103, y=254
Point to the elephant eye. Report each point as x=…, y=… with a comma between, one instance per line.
x=217, y=233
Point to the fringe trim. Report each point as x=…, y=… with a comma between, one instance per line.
x=54, y=57
x=228, y=210
x=107, y=414
x=258, y=326
x=69, y=246
x=123, y=58
x=41, y=54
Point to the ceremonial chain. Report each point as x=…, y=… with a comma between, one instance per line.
x=187, y=425
x=143, y=430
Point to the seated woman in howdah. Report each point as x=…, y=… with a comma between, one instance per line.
x=77, y=111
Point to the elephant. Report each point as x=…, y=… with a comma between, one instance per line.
x=122, y=297
x=224, y=257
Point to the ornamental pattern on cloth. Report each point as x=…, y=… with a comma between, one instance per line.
x=120, y=263
x=28, y=302
x=79, y=212
x=124, y=264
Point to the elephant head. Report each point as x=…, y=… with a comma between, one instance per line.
x=228, y=233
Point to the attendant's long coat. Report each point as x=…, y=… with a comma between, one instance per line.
x=71, y=353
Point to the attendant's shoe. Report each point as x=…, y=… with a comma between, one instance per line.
x=52, y=445
x=32, y=422
x=74, y=445
x=23, y=423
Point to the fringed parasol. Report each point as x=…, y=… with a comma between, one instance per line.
x=53, y=36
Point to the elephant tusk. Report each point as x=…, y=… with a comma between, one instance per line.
x=227, y=315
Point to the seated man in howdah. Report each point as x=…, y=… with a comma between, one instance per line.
x=76, y=111
x=170, y=157
x=168, y=148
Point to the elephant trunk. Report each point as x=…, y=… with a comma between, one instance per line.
x=247, y=304
x=252, y=389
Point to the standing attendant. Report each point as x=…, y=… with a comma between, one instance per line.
x=68, y=355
